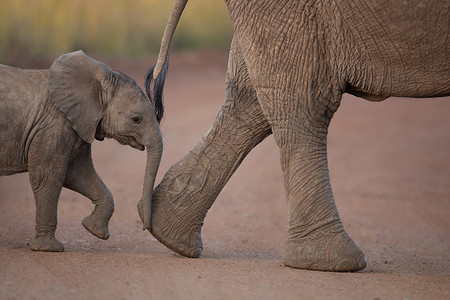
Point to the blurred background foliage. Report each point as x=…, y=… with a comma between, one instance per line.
x=44, y=29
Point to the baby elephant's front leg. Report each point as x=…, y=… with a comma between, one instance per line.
x=97, y=222
x=82, y=178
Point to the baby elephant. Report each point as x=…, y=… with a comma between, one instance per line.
x=48, y=120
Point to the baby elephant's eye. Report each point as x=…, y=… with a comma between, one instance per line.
x=136, y=119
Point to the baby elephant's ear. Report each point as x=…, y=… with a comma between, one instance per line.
x=75, y=87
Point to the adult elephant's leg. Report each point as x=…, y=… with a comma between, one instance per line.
x=190, y=187
x=82, y=178
x=299, y=87
x=299, y=119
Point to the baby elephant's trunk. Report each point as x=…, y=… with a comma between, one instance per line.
x=154, y=153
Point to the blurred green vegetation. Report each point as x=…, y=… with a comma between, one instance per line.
x=44, y=29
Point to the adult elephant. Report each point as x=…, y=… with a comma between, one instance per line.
x=290, y=62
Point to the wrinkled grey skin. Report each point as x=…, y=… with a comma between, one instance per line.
x=290, y=62
x=49, y=119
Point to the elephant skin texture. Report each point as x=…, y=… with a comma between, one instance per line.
x=49, y=120
x=289, y=64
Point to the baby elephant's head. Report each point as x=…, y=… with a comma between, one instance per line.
x=128, y=115
x=100, y=102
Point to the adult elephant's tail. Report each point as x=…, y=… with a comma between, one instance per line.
x=175, y=15
x=158, y=71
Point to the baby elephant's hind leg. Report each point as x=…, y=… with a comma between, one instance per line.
x=82, y=178
x=46, y=197
x=46, y=183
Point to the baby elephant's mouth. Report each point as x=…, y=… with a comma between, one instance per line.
x=129, y=140
x=133, y=143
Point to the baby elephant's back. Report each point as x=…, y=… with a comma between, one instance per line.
x=22, y=85
x=22, y=95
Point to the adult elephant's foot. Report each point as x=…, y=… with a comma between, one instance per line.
x=97, y=226
x=173, y=230
x=47, y=243
x=338, y=253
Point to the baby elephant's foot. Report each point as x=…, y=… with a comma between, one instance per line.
x=338, y=254
x=47, y=244
x=96, y=226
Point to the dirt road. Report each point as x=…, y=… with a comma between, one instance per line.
x=390, y=169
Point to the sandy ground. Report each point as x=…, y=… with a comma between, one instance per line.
x=390, y=170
